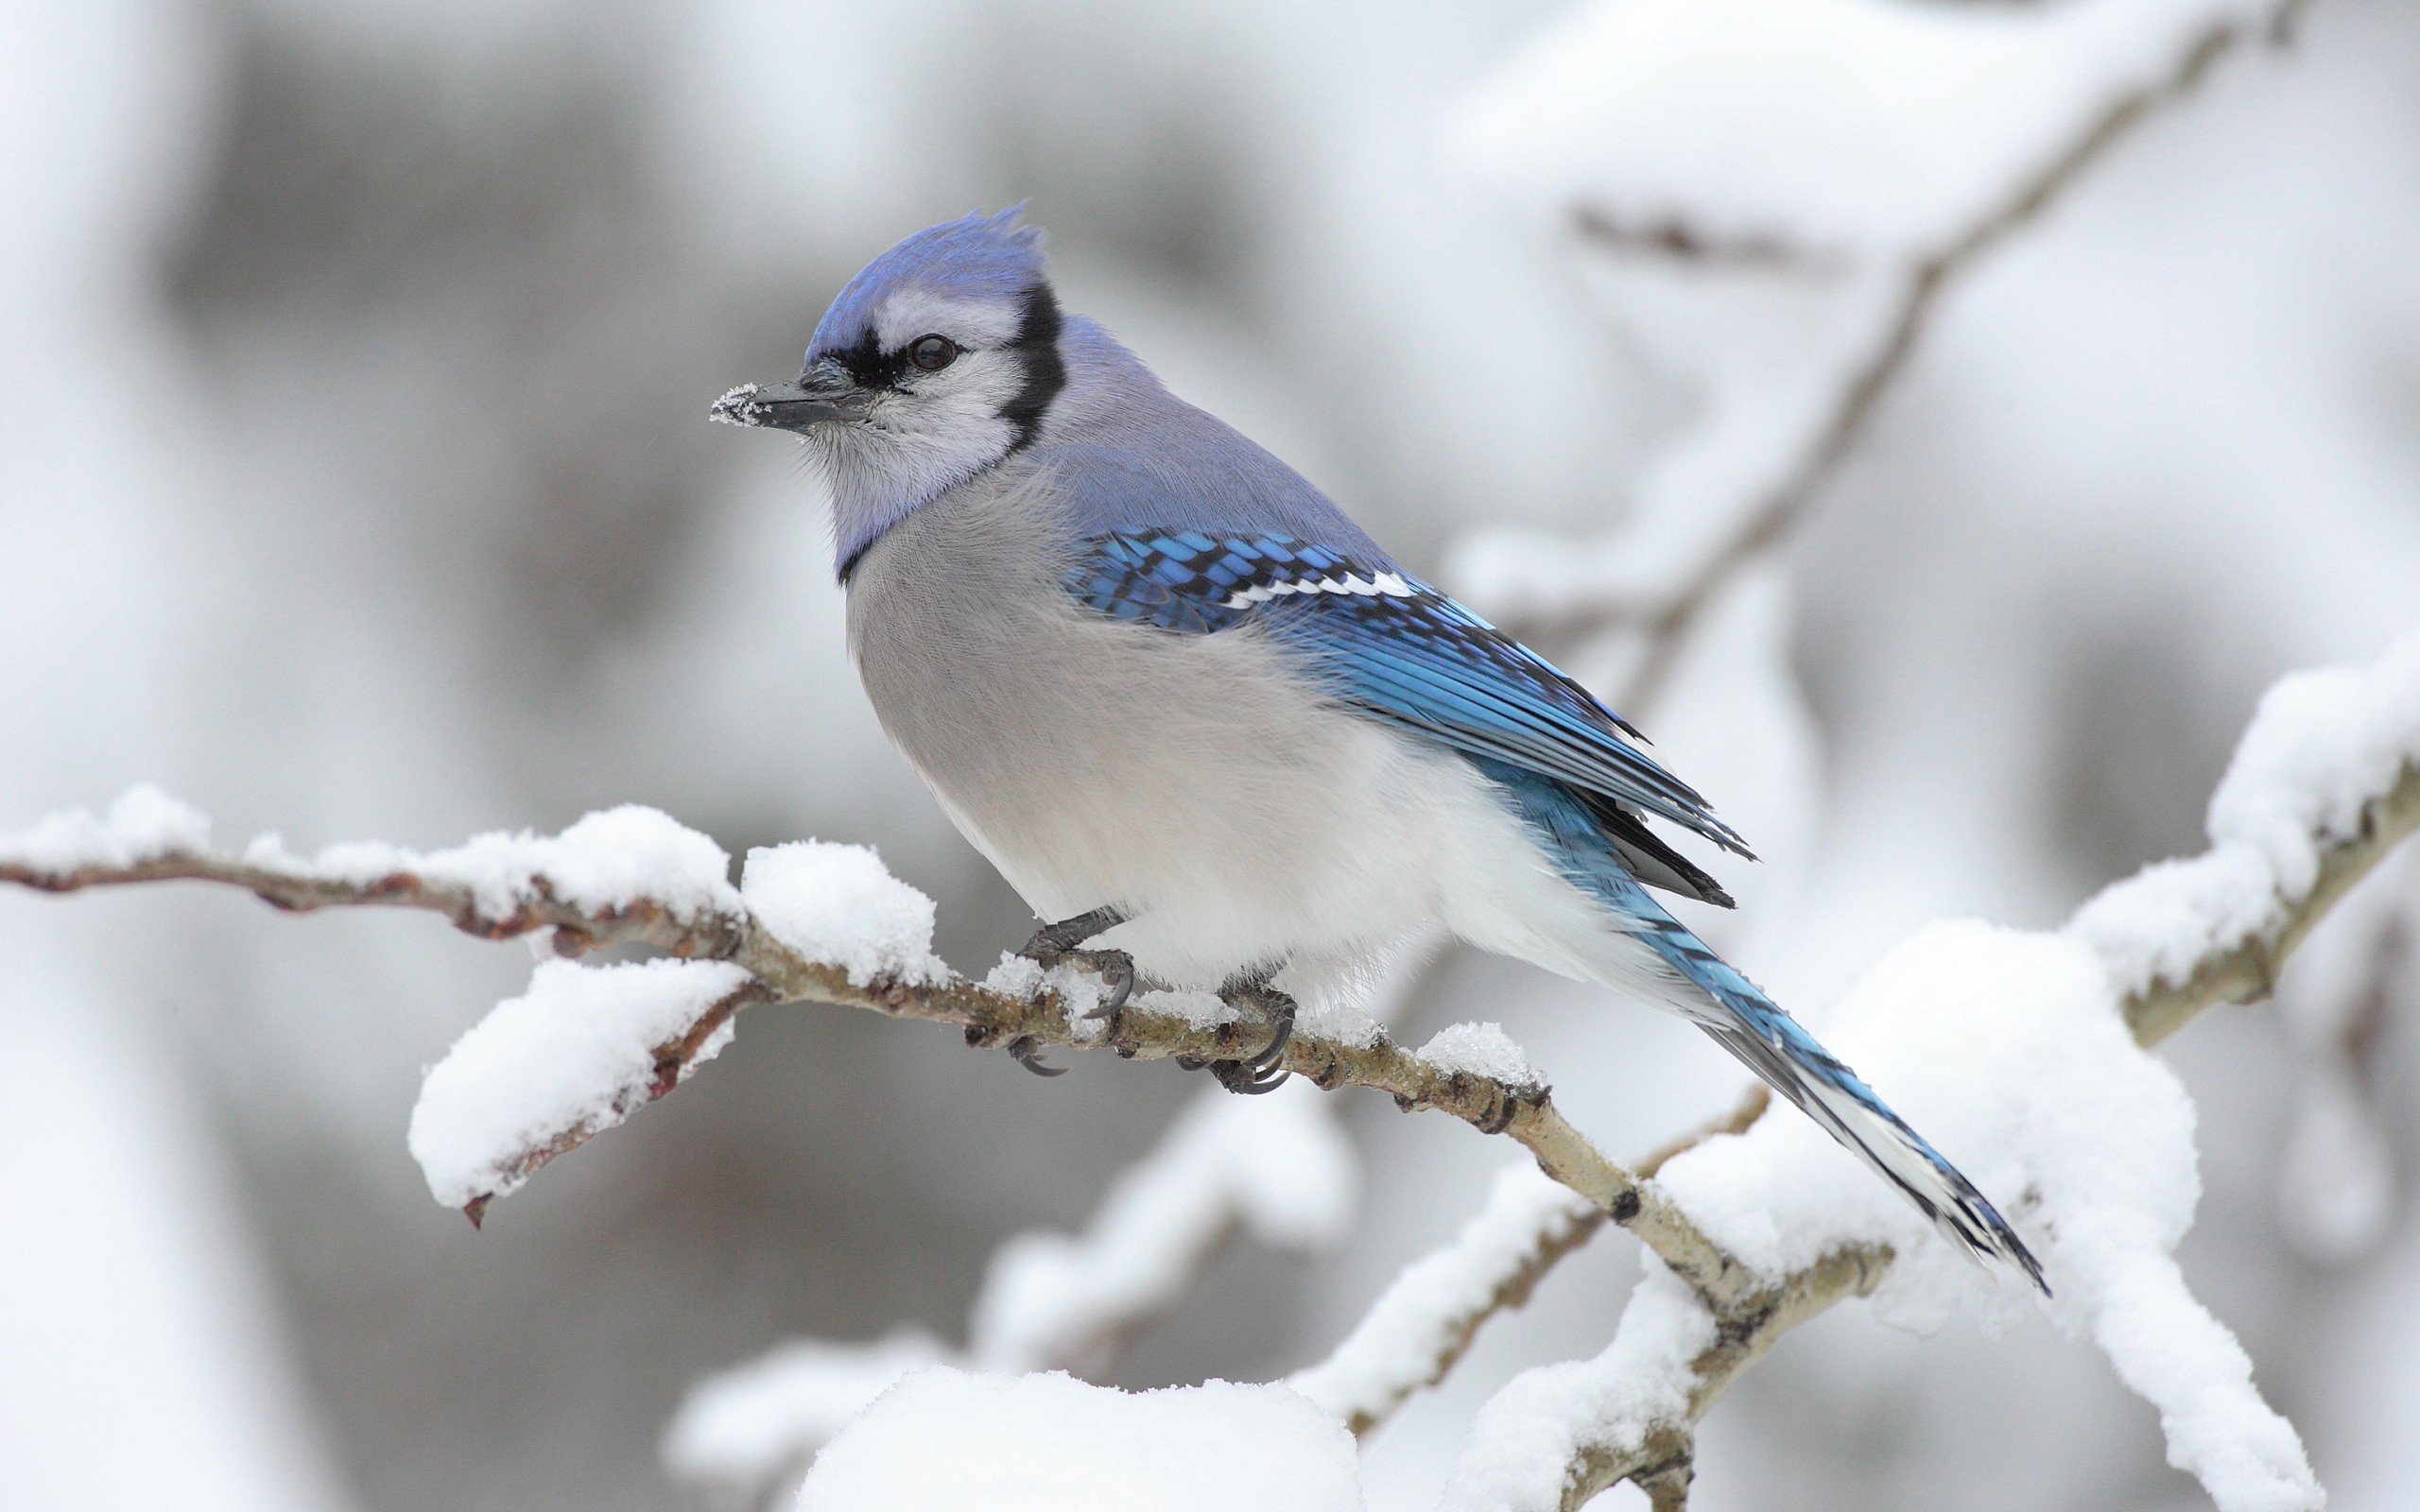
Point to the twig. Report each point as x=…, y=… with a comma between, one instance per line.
x=1750, y=1321
x=1763, y=525
x=2248, y=972
x=2243, y=971
x=729, y=932
x=1432, y=1313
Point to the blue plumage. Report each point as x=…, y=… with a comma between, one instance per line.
x=1393, y=646
x=1047, y=551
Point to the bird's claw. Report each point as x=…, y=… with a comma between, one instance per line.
x=1243, y=1078
x=1058, y=945
x=1265, y=1070
x=1115, y=970
x=1027, y=1052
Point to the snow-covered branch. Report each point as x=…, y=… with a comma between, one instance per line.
x=1755, y=1226
x=1429, y=1316
x=2324, y=784
x=1586, y=131
x=808, y=922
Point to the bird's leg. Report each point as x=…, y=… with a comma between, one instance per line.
x=1261, y=1072
x=1057, y=945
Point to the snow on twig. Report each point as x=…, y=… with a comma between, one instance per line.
x=1919, y=141
x=546, y=1071
x=943, y=1440
x=871, y=950
x=1430, y=1313
x=1762, y=1229
x=2021, y=1054
x=746, y=1430
x=1275, y=1168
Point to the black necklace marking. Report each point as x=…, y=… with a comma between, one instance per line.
x=1046, y=371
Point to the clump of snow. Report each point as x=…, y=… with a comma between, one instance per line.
x=839, y=904
x=1202, y=1010
x=608, y=860
x=1016, y=976
x=1395, y=1347
x=145, y=824
x=2321, y=746
x=1342, y=1017
x=1481, y=1050
x=942, y=1440
x=736, y=407
x=574, y=1054
x=1526, y=1437
x=1276, y=1166
x=741, y=1430
x=1023, y=978
x=2006, y=1050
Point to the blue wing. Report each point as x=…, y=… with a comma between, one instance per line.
x=1392, y=646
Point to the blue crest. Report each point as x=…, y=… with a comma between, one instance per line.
x=977, y=256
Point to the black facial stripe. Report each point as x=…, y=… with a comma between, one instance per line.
x=872, y=366
x=1035, y=345
x=1046, y=371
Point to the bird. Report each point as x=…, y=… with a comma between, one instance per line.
x=1205, y=724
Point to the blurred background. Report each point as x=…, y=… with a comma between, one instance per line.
x=355, y=481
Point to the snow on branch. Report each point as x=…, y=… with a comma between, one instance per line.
x=2020, y=1052
x=1425, y=1320
x=1277, y=1169
x=1790, y=275
x=2023, y=1055
x=809, y=923
x=1429, y=1316
x=947, y=1439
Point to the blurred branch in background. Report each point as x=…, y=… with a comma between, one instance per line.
x=2326, y=781
x=1776, y=424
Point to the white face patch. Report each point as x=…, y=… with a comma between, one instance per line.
x=937, y=430
x=976, y=324
x=1379, y=585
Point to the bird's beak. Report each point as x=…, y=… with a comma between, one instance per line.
x=788, y=406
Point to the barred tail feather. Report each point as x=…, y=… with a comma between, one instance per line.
x=1771, y=1043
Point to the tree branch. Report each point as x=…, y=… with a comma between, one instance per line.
x=534, y=898
x=501, y=886
x=1424, y=1323
x=1764, y=523
x=2241, y=971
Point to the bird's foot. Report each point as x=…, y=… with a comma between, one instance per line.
x=1027, y=1052
x=1265, y=1070
x=1060, y=944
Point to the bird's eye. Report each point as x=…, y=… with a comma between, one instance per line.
x=932, y=354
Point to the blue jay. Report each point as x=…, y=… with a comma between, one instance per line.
x=1189, y=708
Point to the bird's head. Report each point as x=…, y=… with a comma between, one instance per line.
x=937, y=361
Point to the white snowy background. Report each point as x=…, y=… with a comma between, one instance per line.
x=355, y=481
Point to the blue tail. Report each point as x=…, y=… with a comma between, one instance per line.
x=1572, y=831
x=1773, y=1045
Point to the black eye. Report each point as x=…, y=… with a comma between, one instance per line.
x=932, y=354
